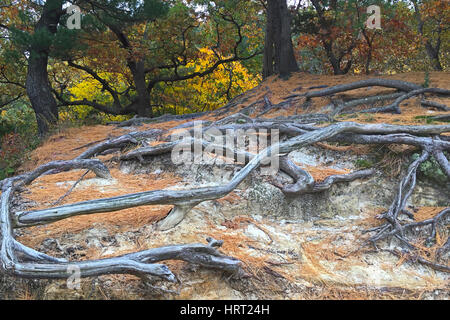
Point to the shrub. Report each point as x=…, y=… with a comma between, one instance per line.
x=18, y=135
x=431, y=170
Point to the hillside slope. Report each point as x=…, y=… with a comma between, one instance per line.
x=308, y=247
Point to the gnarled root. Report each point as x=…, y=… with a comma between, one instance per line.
x=305, y=183
x=394, y=227
x=409, y=90
x=144, y=263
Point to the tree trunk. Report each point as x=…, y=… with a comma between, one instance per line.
x=38, y=85
x=278, y=50
x=287, y=62
x=433, y=54
x=269, y=47
x=143, y=108
x=432, y=51
x=335, y=63
x=369, y=56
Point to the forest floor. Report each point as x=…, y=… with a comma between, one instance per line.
x=307, y=248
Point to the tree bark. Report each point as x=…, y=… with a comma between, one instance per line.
x=278, y=50
x=38, y=85
x=143, y=108
x=433, y=54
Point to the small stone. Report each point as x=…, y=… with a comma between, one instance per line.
x=256, y=234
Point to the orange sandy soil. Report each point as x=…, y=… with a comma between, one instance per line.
x=320, y=173
x=63, y=146
x=47, y=189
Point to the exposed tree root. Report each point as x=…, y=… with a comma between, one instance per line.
x=368, y=100
x=395, y=106
x=388, y=83
x=143, y=263
x=176, y=215
x=119, y=142
x=409, y=90
x=60, y=165
x=60, y=199
x=137, y=121
x=405, y=254
x=394, y=227
x=434, y=104
x=304, y=182
x=183, y=197
x=443, y=117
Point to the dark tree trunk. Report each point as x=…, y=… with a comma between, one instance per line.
x=269, y=47
x=369, y=55
x=278, y=50
x=433, y=54
x=143, y=107
x=335, y=63
x=336, y=59
x=38, y=86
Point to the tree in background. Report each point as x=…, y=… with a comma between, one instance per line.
x=164, y=50
x=433, y=24
x=387, y=49
x=145, y=43
x=334, y=34
x=12, y=69
x=278, y=50
x=336, y=30
x=131, y=52
x=12, y=64
x=206, y=93
x=33, y=36
x=194, y=95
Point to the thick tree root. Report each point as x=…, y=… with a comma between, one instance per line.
x=181, y=197
x=304, y=182
x=395, y=106
x=20, y=260
x=176, y=215
x=142, y=264
x=60, y=165
x=442, y=117
x=368, y=100
x=434, y=104
x=119, y=142
x=387, y=83
x=409, y=90
x=137, y=121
